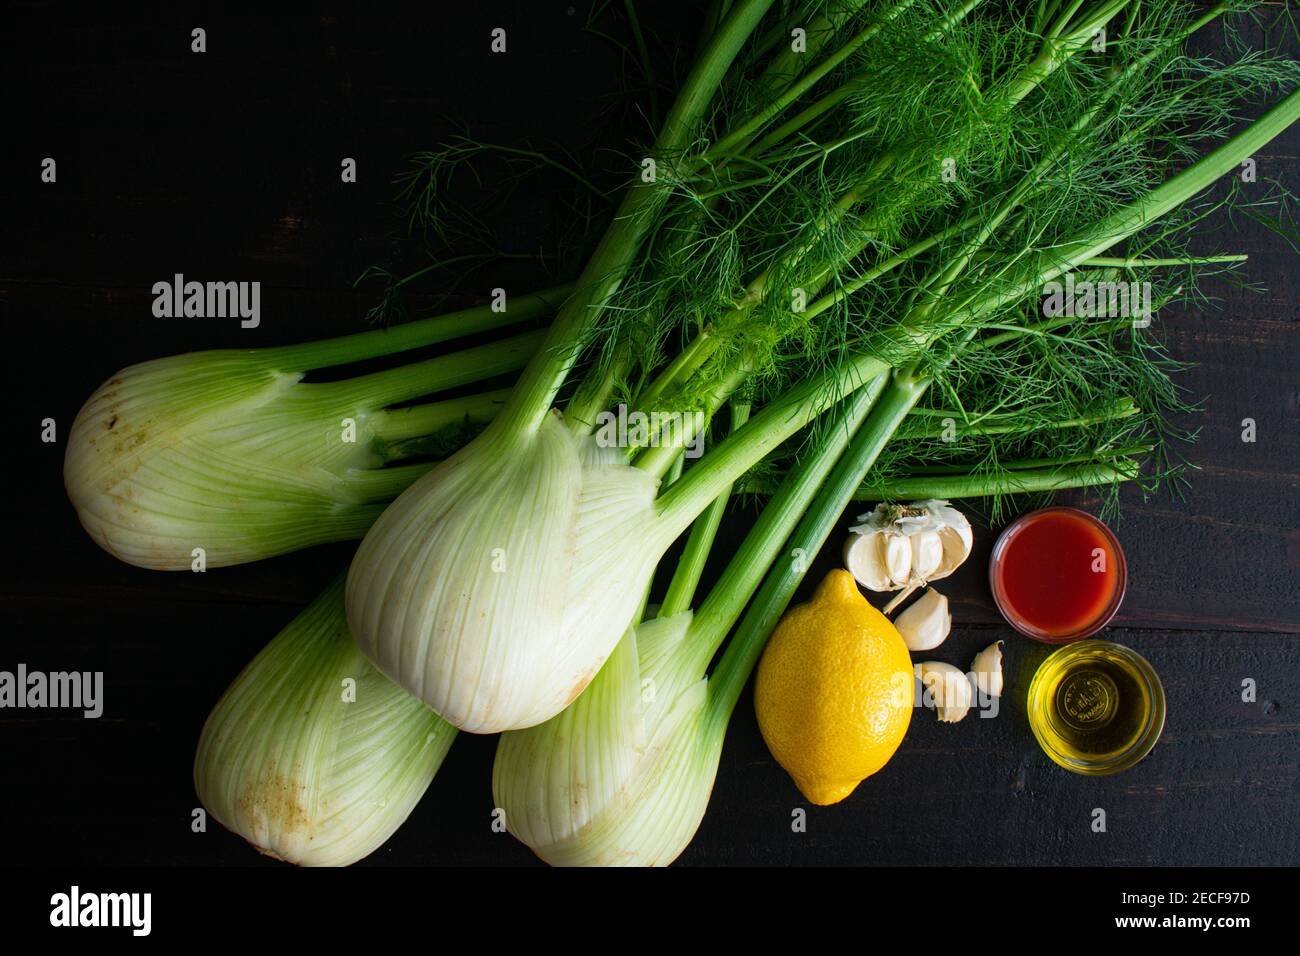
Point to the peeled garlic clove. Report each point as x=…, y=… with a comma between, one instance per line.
x=987, y=668
x=896, y=556
x=926, y=624
x=862, y=558
x=948, y=687
x=927, y=554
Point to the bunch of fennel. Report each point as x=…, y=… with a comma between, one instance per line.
x=624, y=773
x=922, y=294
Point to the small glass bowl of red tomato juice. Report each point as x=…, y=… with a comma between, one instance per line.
x=1058, y=574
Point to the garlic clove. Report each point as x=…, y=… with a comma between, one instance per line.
x=926, y=624
x=863, y=561
x=896, y=556
x=987, y=668
x=957, y=537
x=949, y=689
x=927, y=554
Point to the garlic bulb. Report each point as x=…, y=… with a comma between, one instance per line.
x=926, y=624
x=906, y=546
x=495, y=586
x=987, y=669
x=312, y=755
x=622, y=776
x=949, y=688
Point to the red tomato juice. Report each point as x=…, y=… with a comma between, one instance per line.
x=1056, y=574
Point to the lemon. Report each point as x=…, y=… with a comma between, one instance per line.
x=834, y=691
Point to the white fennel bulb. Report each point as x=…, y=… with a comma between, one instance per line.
x=312, y=755
x=623, y=776
x=495, y=586
x=218, y=451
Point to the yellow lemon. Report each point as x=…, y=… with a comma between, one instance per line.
x=834, y=691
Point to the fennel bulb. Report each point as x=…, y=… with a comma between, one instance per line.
x=495, y=586
x=231, y=452
x=623, y=776
x=199, y=451
x=313, y=756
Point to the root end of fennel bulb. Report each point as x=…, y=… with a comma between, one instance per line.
x=495, y=587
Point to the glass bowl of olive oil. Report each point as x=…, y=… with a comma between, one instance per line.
x=1096, y=708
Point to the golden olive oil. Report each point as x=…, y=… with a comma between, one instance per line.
x=1096, y=707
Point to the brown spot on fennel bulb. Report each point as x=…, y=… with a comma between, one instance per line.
x=275, y=802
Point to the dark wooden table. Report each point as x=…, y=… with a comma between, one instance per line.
x=226, y=165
